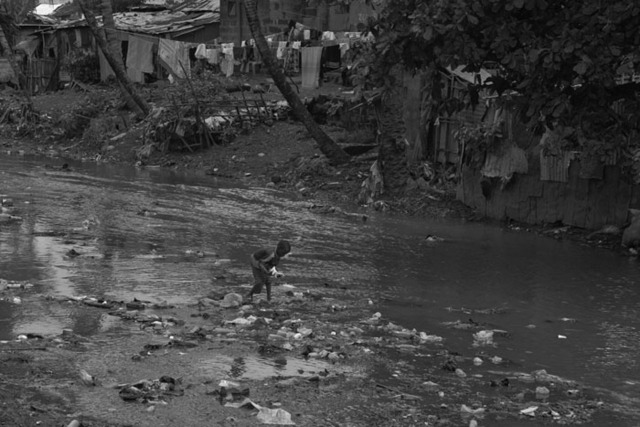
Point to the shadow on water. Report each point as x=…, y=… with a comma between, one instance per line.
x=568, y=309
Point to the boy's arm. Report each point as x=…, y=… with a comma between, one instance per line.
x=262, y=257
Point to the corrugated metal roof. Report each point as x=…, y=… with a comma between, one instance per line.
x=154, y=22
x=162, y=22
x=198, y=6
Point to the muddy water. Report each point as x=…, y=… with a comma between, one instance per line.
x=569, y=309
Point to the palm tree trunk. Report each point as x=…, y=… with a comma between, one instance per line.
x=109, y=26
x=392, y=156
x=134, y=101
x=328, y=146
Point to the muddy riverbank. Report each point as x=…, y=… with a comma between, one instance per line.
x=278, y=154
x=321, y=353
x=313, y=357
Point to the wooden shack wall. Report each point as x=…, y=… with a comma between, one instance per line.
x=579, y=202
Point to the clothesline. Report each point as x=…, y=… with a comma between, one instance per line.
x=299, y=14
x=174, y=55
x=350, y=35
x=148, y=37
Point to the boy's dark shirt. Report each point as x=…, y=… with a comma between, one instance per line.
x=267, y=257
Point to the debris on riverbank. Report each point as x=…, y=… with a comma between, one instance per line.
x=288, y=361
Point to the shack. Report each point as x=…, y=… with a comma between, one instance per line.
x=72, y=55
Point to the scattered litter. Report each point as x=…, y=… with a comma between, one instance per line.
x=145, y=391
x=7, y=284
x=231, y=391
x=275, y=416
x=460, y=373
x=241, y=321
x=424, y=338
x=483, y=338
x=87, y=379
x=530, y=411
x=468, y=410
x=265, y=415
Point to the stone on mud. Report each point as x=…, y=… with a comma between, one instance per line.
x=231, y=300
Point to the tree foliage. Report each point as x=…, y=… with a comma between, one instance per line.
x=564, y=58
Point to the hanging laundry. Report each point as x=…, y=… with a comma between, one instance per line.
x=201, y=51
x=175, y=56
x=280, y=52
x=328, y=35
x=213, y=56
x=227, y=61
x=311, y=60
x=78, y=35
x=344, y=47
x=331, y=56
x=139, y=58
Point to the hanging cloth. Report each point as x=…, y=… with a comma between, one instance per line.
x=311, y=60
x=175, y=56
x=227, y=62
x=280, y=51
x=139, y=58
x=201, y=51
x=213, y=56
x=344, y=47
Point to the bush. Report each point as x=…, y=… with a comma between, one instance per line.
x=75, y=121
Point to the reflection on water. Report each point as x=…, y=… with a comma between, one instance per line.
x=259, y=368
x=144, y=223
x=6, y=320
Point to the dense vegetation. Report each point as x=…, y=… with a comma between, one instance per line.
x=567, y=65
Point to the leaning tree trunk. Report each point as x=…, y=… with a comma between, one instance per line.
x=6, y=30
x=134, y=101
x=392, y=157
x=109, y=26
x=328, y=146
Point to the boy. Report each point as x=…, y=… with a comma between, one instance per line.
x=263, y=265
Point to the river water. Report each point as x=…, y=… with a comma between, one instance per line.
x=569, y=309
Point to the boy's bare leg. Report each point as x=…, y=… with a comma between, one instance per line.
x=256, y=289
